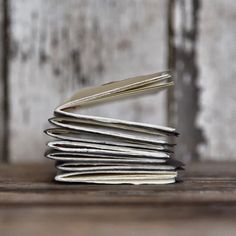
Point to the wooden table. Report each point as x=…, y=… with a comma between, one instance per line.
x=31, y=203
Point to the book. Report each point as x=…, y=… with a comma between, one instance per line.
x=102, y=150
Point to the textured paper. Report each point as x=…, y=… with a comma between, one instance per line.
x=92, y=149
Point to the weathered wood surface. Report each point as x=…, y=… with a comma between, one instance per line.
x=201, y=53
x=184, y=100
x=2, y=82
x=107, y=221
x=216, y=60
x=4, y=88
x=31, y=203
x=203, y=183
x=52, y=48
x=61, y=46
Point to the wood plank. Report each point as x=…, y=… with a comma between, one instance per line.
x=60, y=46
x=2, y=85
x=31, y=203
x=4, y=99
x=109, y=221
x=204, y=184
x=217, y=78
x=183, y=102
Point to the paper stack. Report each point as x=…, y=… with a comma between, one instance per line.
x=91, y=149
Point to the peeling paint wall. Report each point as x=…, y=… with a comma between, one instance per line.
x=184, y=100
x=49, y=49
x=2, y=119
x=216, y=59
x=61, y=46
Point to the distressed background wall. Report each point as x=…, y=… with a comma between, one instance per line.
x=48, y=49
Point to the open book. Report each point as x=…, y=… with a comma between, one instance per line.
x=91, y=149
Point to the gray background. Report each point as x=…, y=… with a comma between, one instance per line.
x=49, y=49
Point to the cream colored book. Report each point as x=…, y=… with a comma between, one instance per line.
x=92, y=149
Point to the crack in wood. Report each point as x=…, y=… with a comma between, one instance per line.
x=5, y=37
x=183, y=102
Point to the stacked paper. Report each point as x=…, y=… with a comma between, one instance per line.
x=91, y=149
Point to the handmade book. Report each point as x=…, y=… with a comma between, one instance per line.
x=92, y=149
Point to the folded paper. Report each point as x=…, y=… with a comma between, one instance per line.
x=92, y=149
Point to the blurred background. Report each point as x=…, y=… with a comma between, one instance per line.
x=49, y=49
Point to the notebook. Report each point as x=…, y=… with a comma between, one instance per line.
x=102, y=150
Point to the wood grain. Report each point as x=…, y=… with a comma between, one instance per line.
x=183, y=108
x=33, y=184
x=105, y=221
x=50, y=49
x=61, y=46
x=4, y=85
x=217, y=53
x=31, y=203
x=2, y=82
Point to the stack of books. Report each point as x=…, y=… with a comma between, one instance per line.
x=91, y=149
